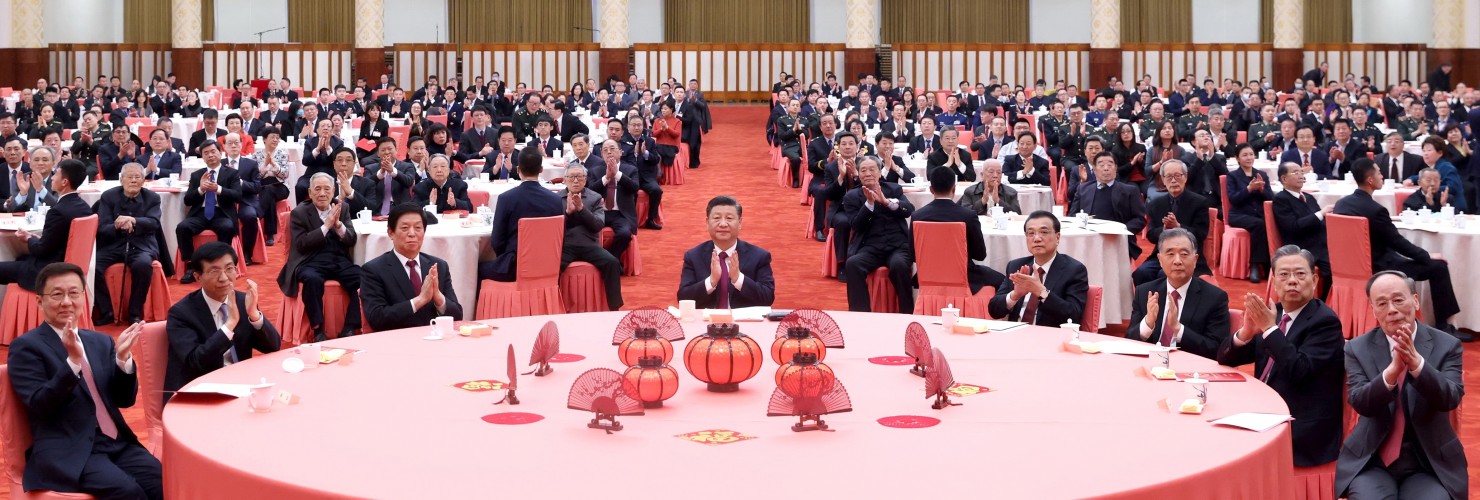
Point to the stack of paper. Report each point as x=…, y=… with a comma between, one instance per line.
x=1257, y=422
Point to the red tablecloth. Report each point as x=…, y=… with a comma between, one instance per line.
x=1057, y=425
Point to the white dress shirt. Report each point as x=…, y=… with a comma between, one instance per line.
x=739, y=277
x=1182, y=294
x=126, y=365
x=215, y=308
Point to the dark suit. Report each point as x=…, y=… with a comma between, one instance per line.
x=66, y=440
x=818, y=151
x=648, y=169
x=1204, y=316
x=758, y=289
x=198, y=346
x=386, y=293
x=400, y=186
x=1295, y=218
x=471, y=143
x=624, y=221
x=919, y=145
x=1307, y=373
x=880, y=238
x=945, y=210
x=1319, y=163
x=423, y=191
x=1124, y=206
x=111, y=158
x=1391, y=251
x=569, y=126
x=169, y=163
x=50, y=247
x=248, y=213
x=316, y=257
x=902, y=134
x=553, y=145
x=224, y=221
x=528, y=199
x=1353, y=151
x=199, y=137
x=694, y=113
x=1246, y=211
x=1431, y=448
x=938, y=159
x=1013, y=165
x=1192, y=214
x=1410, y=163
x=136, y=250
x=1067, y=282
x=9, y=177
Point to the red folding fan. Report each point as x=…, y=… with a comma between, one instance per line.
x=513, y=380
x=917, y=345
x=938, y=380
x=661, y=320
x=820, y=323
x=546, y=346
x=810, y=405
x=600, y=391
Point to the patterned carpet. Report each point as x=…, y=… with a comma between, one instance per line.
x=736, y=163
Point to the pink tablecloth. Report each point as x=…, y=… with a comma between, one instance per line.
x=1057, y=425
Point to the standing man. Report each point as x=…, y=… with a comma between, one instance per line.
x=694, y=114
x=725, y=272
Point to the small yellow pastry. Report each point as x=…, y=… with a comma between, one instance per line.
x=1163, y=373
x=1191, y=405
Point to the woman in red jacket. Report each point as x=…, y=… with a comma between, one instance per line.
x=667, y=131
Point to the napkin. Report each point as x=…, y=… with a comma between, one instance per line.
x=1257, y=422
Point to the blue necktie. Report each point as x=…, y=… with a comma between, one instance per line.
x=210, y=204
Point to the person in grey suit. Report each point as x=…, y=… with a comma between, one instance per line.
x=584, y=218
x=1002, y=195
x=1403, y=379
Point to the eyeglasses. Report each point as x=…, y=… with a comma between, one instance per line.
x=1286, y=275
x=231, y=269
x=1174, y=176
x=58, y=296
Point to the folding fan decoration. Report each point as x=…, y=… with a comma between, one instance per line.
x=661, y=320
x=917, y=345
x=820, y=323
x=808, y=390
x=546, y=346
x=513, y=384
x=601, y=391
x=938, y=380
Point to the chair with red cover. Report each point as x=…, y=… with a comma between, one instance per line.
x=829, y=255
x=1215, y=236
x=208, y=236
x=22, y=309
x=1350, y=269
x=401, y=133
x=1275, y=240
x=941, y=260
x=1234, y=260
x=479, y=198
x=151, y=355
x=881, y=295
x=1093, y=303
x=15, y=431
x=292, y=319
x=631, y=259
x=582, y=289
x=536, y=286
x=156, y=304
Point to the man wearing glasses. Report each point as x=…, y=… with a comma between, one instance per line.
x=219, y=325
x=51, y=246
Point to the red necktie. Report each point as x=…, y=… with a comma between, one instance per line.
x=105, y=421
x=1305, y=161
x=611, y=195
x=544, y=144
x=1167, y=319
x=415, y=276
x=1269, y=366
x=724, y=281
x=1394, y=442
x=1030, y=312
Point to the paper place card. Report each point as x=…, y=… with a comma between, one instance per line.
x=1257, y=422
x=347, y=359
x=233, y=390
x=287, y=398
x=1125, y=347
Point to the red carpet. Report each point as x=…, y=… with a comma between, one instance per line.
x=737, y=163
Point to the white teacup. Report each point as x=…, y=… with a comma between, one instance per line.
x=364, y=215
x=309, y=353
x=1162, y=354
x=442, y=326
x=686, y=310
x=260, y=399
x=1197, y=387
x=949, y=316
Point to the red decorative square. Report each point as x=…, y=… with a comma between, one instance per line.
x=892, y=360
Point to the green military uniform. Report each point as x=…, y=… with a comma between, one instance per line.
x=1409, y=127
x=1257, y=132
x=1071, y=145
x=1149, y=126
x=1189, y=123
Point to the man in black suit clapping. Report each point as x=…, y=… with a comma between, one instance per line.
x=1046, y=288
x=1180, y=310
x=879, y=214
x=386, y=280
x=726, y=272
x=1107, y=199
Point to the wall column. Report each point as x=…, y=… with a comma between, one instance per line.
x=186, y=56
x=29, y=57
x=1449, y=41
x=1104, y=42
x=860, y=54
x=616, y=45
x=1289, y=42
x=369, y=56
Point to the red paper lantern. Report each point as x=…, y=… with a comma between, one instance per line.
x=723, y=357
x=644, y=342
x=804, y=377
x=652, y=381
x=797, y=339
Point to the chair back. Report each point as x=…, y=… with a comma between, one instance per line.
x=1400, y=196
x=80, y=244
x=540, y=240
x=940, y=254
x=442, y=119
x=479, y=197
x=138, y=120
x=1055, y=183
x=1092, y=304
x=1243, y=136
x=151, y=354
x=1223, y=191
x=357, y=122
x=964, y=136
x=1272, y=232
x=401, y=133
x=1215, y=237
x=144, y=132
x=1353, y=263
x=15, y=428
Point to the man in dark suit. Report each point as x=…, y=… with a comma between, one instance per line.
x=617, y=182
x=1107, y=199
x=502, y=161
x=128, y=230
x=1394, y=161
x=1300, y=219
x=944, y=209
x=638, y=149
x=52, y=245
x=1316, y=75
x=1403, y=379
x=1179, y=309
x=15, y=166
x=821, y=152
x=927, y=142
x=219, y=325
x=950, y=156
x=528, y=200
x=116, y=152
x=1343, y=149
x=404, y=288
x=694, y=113
x=1180, y=208
x=1019, y=171
x=584, y=218
x=840, y=175
x=1045, y=288
x=1392, y=252
x=442, y=189
x=164, y=102
x=543, y=139
x=210, y=201
x=71, y=383
x=880, y=215
x=725, y=272
x=1307, y=155
x=318, y=155
x=207, y=132
x=478, y=139
x=386, y=185
x=271, y=117
x=566, y=124
x=323, y=242
x=1296, y=349
x=160, y=160
x=248, y=213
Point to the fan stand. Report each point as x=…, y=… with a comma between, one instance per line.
x=605, y=422
x=511, y=397
x=816, y=425
x=943, y=401
x=919, y=369
x=543, y=369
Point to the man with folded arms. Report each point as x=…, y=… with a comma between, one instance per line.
x=584, y=218
x=71, y=383
x=1180, y=310
x=404, y=288
x=1403, y=379
x=128, y=229
x=879, y=214
x=323, y=243
x=725, y=272
x=218, y=325
x=1046, y=288
x=1296, y=349
x=527, y=200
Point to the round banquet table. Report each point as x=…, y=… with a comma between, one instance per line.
x=1105, y=255
x=1329, y=192
x=394, y=424
x=171, y=205
x=495, y=188
x=1458, y=246
x=12, y=248
x=456, y=241
x=1030, y=198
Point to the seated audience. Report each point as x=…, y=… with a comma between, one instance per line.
x=217, y=326
x=386, y=279
x=1110, y=199
x=323, y=239
x=51, y=246
x=443, y=189
x=527, y=200
x=1179, y=309
x=1248, y=189
x=128, y=234
x=726, y=272
x=617, y=182
x=879, y=216
x=1180, y=208
x=210, y=202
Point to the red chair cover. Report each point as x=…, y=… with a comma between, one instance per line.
x=1350, y=269
x=22, y=311
x=401, y=134
x=156, y=304
x=151, y=355
x=15, y=431
x=806, y=181
x=829, y=257
x=536, y=287
x=1315, y=483
x=1400, y=196
x=881, y=296
x=940, y=260
x=581, y=288
x=1092, y=304
x=208, y=236
x=1215, y=236
x=1234, y=260
x=479, y=198
x=631, y=259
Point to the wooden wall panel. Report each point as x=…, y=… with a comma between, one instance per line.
x=308, y=65
x=1169, y=62
x=128, y=61
x=1387, y=64
x=938, y=66
x=559, y=65
x=735, y=71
